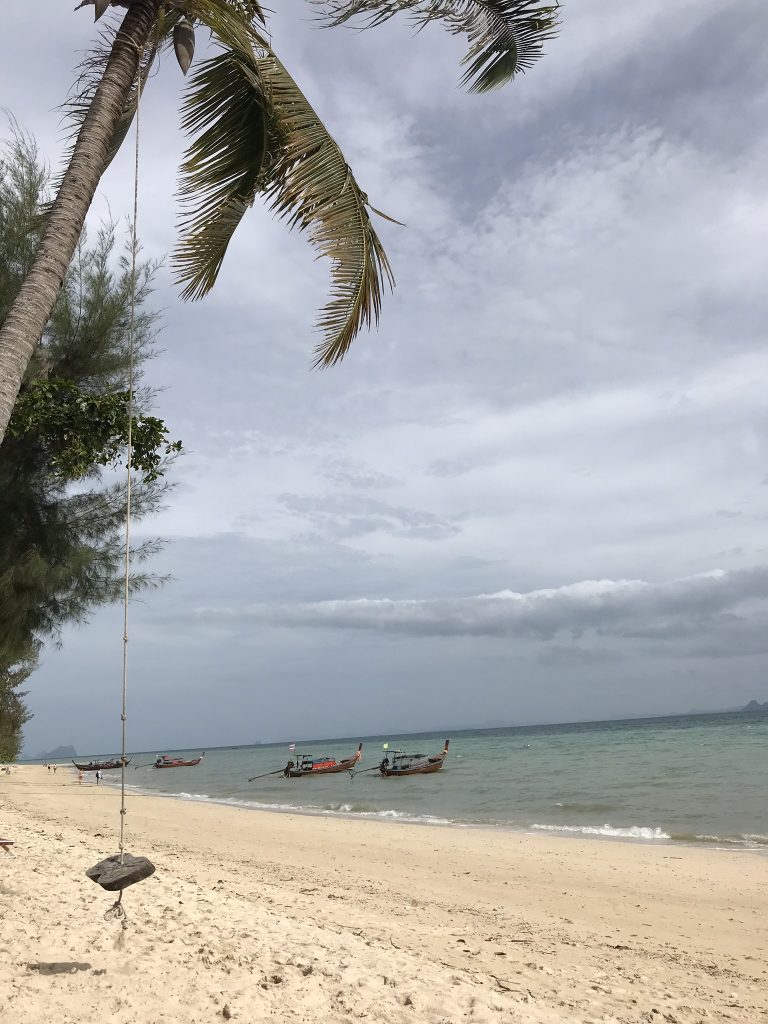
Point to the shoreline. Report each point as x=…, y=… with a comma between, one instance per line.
x=587, y=833
x=296, y=918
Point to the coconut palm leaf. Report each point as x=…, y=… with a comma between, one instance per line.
x=233, y=22
x=248, y=11
x=225, y=110
x=506, y=37
x=313, y=188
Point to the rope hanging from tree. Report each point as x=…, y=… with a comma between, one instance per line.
x=116, y=873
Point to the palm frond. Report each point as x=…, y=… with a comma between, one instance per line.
x=233, y=22
x=225, y=110
x=255, y=132
x=245, y=10
x=506, y=37
x=313, y=188
x=251, y=10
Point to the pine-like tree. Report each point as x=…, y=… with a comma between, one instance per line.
x=61, y=546
x=13, y=711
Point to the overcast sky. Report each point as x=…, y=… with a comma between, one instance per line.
x=540, y=491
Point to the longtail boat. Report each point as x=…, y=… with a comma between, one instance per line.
x=306, y=764
x=402, y=764
x=104, y=766
x=177, y=762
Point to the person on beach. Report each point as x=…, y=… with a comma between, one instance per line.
x=54, y=768
x=98, y=776
x=80, y=777
x=48, y=767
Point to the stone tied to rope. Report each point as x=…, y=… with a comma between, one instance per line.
x=115, y=873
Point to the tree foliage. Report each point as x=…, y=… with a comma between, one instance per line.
x=77, y=430
x=13, y=711
x=253, y=133
x=61, y=546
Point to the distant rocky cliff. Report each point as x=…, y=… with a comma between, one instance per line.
x=755, y=705
x=59, y=752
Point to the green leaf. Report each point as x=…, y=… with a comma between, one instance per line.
x=77, y=430
x=233, y=22
x=506, y=37
x=313, y=188
x=224, y=110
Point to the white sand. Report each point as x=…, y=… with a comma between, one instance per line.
x=269, y=917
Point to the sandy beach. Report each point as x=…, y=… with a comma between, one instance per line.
x=257, y=916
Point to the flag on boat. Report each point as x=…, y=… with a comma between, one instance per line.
x=291, y=747
x=385, y=746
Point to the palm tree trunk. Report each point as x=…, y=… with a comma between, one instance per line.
x=23, y=327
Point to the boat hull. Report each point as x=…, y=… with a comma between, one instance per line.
x=342, y=766
x=428, y=766
x=326, y=769
x=103, y=766
x=178, y=763
x=425, y=769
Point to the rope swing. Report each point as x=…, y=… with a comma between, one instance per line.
x=116, y=873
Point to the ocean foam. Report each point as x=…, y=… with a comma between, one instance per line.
x=339, y=810
x=640, y=833
x=632, y=832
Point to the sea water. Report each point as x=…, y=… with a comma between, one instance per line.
x=692, y=778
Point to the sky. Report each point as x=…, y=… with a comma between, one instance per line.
x=539, y=491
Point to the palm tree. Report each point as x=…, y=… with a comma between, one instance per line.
x=253, y=132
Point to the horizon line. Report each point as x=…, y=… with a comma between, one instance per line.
x=453, y=730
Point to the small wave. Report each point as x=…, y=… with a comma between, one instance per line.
x=631, y=832
x=340, y=810
x=748, y=841
x=586, y=808
x=349, y=808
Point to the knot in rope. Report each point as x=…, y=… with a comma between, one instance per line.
x=117, y=911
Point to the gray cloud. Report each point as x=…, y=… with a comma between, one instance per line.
x=348, y=515
x=611, y=608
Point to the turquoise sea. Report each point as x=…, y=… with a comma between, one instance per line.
x=692, y=778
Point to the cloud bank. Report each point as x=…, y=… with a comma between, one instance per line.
x=612, y=608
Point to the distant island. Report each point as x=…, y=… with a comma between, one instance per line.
x=53, y=755
x=755, y=705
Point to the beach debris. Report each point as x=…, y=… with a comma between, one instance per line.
x=226, y=1013
x=116, y=873
x=505, y=986
x=58, y=968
